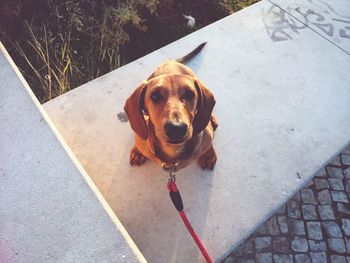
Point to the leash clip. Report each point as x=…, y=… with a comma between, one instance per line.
x=170, y=168
x=172, y=176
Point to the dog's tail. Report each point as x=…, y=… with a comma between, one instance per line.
x=190, y=55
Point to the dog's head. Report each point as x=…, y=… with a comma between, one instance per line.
x=178, y=107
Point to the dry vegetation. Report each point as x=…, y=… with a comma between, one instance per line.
x=59, y=45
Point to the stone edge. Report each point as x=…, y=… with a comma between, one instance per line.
x=75, y=161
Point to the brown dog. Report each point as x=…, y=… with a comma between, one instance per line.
x=171, y=114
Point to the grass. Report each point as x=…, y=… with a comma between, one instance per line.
x=59, y=45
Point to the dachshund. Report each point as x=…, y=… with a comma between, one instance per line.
x=171, y=114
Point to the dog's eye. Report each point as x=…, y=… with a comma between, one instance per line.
x=189, y=95
x=156, y=97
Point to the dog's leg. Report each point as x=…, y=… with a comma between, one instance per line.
x=208, y=159
x=136, y=157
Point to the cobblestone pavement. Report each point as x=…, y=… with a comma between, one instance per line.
x=313, y=226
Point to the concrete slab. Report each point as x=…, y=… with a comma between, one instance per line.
x=329, y=19
x=50, y=211
x=283, y=111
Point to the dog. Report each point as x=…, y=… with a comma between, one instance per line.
x=171, y=114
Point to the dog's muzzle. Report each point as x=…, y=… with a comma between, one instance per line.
x=175, y=131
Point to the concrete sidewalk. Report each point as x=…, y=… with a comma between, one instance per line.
x=50, y=210
x=282, y=93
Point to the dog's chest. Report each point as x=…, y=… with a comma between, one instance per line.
x=169, y=152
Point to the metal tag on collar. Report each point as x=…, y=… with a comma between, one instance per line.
x=172, y=176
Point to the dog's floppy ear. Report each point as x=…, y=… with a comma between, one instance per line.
x=134, y=106
x=205, y=105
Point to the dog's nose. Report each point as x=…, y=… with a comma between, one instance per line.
x=175, y=131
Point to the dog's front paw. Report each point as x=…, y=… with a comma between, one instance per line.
x=136, y=158
x=208, y=159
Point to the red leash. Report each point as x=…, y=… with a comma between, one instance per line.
x=177, y=201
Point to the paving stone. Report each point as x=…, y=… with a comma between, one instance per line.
x=261, y=230
x=325, y=212
x=321, y=184
x=293, y=208
x=346, y=226
x=249, y=246
x=337, y=245
x=299, y=244
x=283, y=258
x=347, y=244
x=309, y=212
x=297, y=197
x=332, y=229
x=307, y=184
x=324, y=239
x=302, y=258
x=270, y=227
x=318, y=257
x=347, y=186
x=282, y=222
x=317, y=246
x=281, y=210
x=280, y=245
x=336, y=184
x=314, y=230
x=307, y=195
x=230, y=259
x=336, y=161
x=321, y=173
x=263, y=258
x=335, y=172
x=343, y=208
x=262, y=243
x=347, y=173
x=338, y=259
x=245, y=260
x=296, y=227
x=347, y=149
x=239, y=251
x=339, y=196
x=324, y=197
x=345, y=158
x=233, y=259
